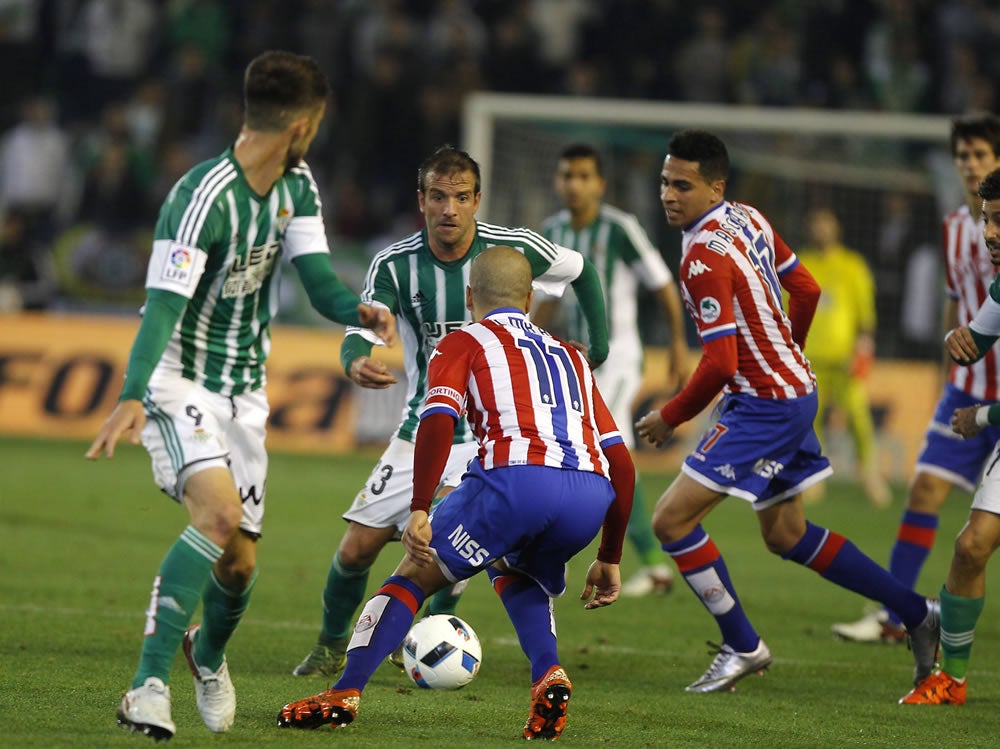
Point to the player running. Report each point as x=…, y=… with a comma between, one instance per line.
x=194, y=388
x=763, y=449
x=422, y=279
x=551, y=469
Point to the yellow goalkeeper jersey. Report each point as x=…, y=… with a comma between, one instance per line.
x=846, y=304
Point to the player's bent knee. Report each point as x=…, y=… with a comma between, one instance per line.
x=972, y=551
x=927, y=493
x=361, y=545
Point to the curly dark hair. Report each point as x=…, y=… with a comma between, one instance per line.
x=705, y=148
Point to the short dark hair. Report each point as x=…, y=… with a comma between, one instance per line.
x=280, y=86
x=985, y=126
x=989, y=188
x=446, y=160
x=583, y=151
x=705, y=148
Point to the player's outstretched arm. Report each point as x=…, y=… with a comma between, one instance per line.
x=587, y=287
x=128, y=416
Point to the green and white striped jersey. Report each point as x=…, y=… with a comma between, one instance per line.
x=621, y=251
x=428, y=298
x=218, y=244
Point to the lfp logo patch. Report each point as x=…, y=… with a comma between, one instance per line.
x=179, y=268
x=180, y=258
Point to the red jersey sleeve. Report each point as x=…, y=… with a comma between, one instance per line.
x=448, y=375
x=447, y=387
x=707, y=285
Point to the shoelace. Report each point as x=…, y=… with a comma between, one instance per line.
x=722, y=656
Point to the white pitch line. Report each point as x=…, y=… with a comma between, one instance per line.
x=511, y=642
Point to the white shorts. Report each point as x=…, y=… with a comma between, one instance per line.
x=619, y=384
x=385, y=499
x=987, y=497
x=189, y=429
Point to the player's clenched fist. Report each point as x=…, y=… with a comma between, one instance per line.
x=654, y=429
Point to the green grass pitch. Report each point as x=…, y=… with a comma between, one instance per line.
x=80, y=542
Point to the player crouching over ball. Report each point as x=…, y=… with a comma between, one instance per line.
x=552, y=469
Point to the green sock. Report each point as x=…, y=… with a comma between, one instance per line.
x=344, y=592
x=958, y=628
x=176, y=591
x=445, y=601
x=221, y=610
x=640, y=531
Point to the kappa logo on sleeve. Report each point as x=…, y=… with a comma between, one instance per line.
x=697, y=267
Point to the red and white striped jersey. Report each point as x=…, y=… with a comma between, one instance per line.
x=968, y=275
x=530, y=398
x=730, y=264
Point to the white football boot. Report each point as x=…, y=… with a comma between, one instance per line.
x=146, y=709
x=728, y=667
x=656, y=579
x=214, y=690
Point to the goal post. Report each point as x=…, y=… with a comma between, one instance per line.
x=887, y=176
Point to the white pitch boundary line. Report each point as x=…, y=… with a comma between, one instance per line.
x=510, y=642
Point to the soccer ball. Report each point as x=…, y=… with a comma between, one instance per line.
x=441, y=652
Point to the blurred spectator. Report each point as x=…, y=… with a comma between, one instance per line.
x=766, y=65
x=19, y=54
x=385, y=28
x=455, y=32
x=894, y=63
x=27, y=279
x=402, y=69
x=205, y=25
x=117, y=45
x=189, y=90
x=114, y=197
x=514, y=62
x=560, y=25
x=35, y=169
x=702, y=63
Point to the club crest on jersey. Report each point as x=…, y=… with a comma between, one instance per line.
x=697, y=267
x=282, y=220
x=709, y=309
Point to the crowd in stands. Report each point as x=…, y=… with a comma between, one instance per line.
x=107, y=102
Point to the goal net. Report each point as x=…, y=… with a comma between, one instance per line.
x=888, y=177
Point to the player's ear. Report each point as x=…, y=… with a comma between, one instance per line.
x=719, y=188
x=528, y=301
x=468, y=298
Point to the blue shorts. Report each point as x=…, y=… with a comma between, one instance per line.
x=535, y=518
x=761, y=450
x=945, y=453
